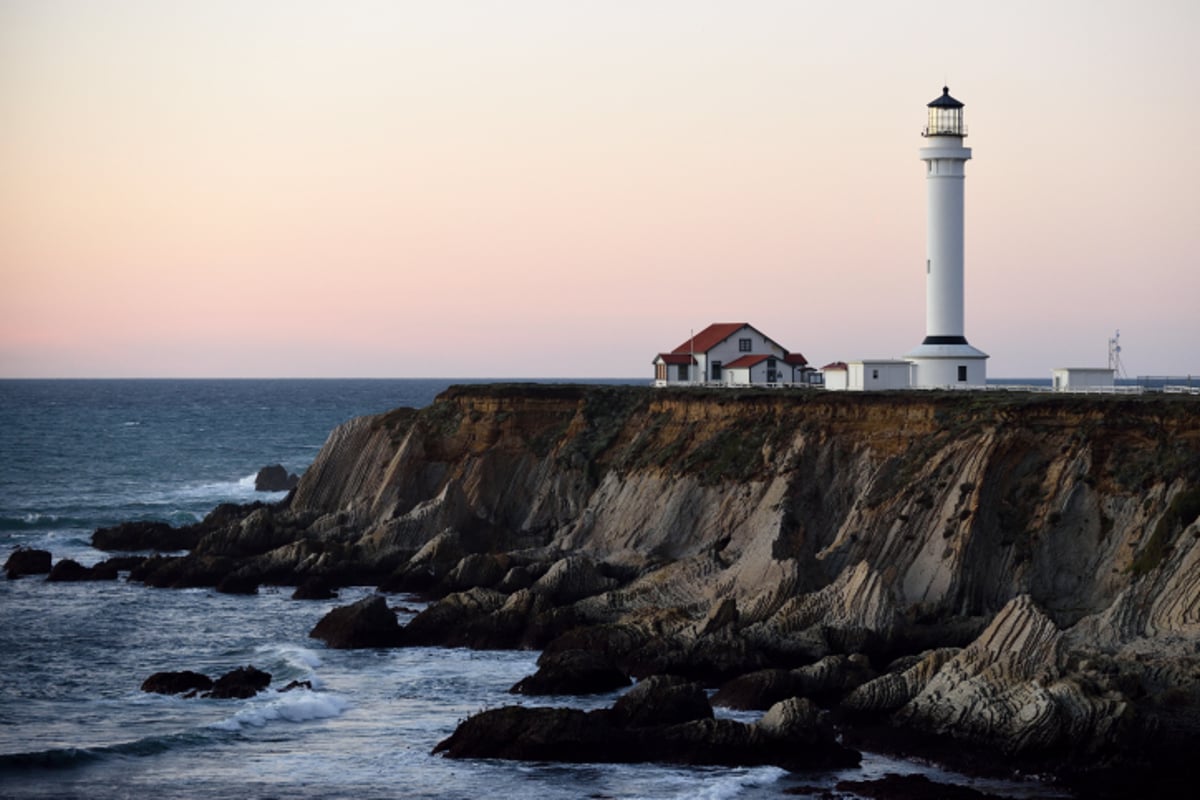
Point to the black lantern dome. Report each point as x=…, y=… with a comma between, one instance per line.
x=945, y=116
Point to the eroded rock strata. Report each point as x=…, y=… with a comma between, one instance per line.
x=1014, y=573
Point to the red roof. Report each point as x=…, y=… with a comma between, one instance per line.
x=710, y=337
x=748, y=361
x=835, y=365
x=675, y=358
x=718, y=332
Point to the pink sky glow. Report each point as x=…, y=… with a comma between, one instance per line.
x=563, y=189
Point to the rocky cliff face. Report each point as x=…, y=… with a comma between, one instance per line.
x=1053, y=539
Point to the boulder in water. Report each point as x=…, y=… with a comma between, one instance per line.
x=367, y=623
x=27, y=561
x=275, y=479
x=176, y=682
x=240, y=683
x=70, y=570
x=573, y=672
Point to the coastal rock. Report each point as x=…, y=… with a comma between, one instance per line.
x=275, y=478
x=661, y=700
x=70, y=570
x=367, y=623
x=573, y=672
x=456, y=620
x=238, y=583
x=27, y=561
x=911, y=787
x=571, y=579
x=641, y=730
x=177, y=682
x=1008, y=690
x=476, y=570
x=891, y=691
x=145, y=536
x=714, y=534
x=240, y=683
x=314, y=589
x=825, y=681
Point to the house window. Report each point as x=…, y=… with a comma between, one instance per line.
x=682, y=373
x=770, y=363
x=874, y=374
x=716, y=370
x=743, y=345
x=962, y=373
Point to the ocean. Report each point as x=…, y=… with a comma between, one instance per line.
x=80, y=454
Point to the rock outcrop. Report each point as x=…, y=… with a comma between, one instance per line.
x=660, y=720
x=275, y=479
x=367, y=623
x=27, y=561
x=239, y=683
x=1011, y=572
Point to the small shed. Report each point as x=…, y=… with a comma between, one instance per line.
x=1077, y=379
x=880, y=375
x=835, y=376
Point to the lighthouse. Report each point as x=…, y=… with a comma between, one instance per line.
x=944, y=359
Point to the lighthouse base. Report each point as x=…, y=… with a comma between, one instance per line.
x=947, y=366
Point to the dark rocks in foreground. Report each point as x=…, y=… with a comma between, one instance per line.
x=145, y=536
x=367, y=623
x=659, y=720
x=27, y=561
x=176, y=682
x=275, y=479
x=573, y=672
x=315, y=589
x=240, y=683
x=911, y=787
x=70, y=570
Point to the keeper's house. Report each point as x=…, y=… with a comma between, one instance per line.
x=732, y=354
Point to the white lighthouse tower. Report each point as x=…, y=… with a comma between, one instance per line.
x=944, y=359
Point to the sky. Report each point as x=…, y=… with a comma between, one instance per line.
x=554, y=188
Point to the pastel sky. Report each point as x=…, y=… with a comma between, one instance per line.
x=563, y=188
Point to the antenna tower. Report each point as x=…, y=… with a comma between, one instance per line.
x=1114, y=355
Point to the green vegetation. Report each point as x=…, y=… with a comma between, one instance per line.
x=1184, y=510
x=735, y=453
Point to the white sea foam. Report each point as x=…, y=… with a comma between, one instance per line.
x=723, y=785
x=297, y=705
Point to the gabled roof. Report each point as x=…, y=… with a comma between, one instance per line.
x=795, y=359
x=675, y=358
x=748, y=361
x=710, y=337
x=835, y=366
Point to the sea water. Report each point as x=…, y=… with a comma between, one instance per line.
x=77, y=455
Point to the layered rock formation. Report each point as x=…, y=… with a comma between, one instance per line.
x=1015, y=571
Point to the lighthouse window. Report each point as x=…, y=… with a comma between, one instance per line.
x=962, y=373
x=928, y=266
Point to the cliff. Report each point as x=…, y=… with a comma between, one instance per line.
x=1054, y=539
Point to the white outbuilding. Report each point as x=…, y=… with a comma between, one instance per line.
x=878, y=375
x=1077, y=379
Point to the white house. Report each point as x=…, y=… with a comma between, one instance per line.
x=1073, y=379
x=749, y=356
